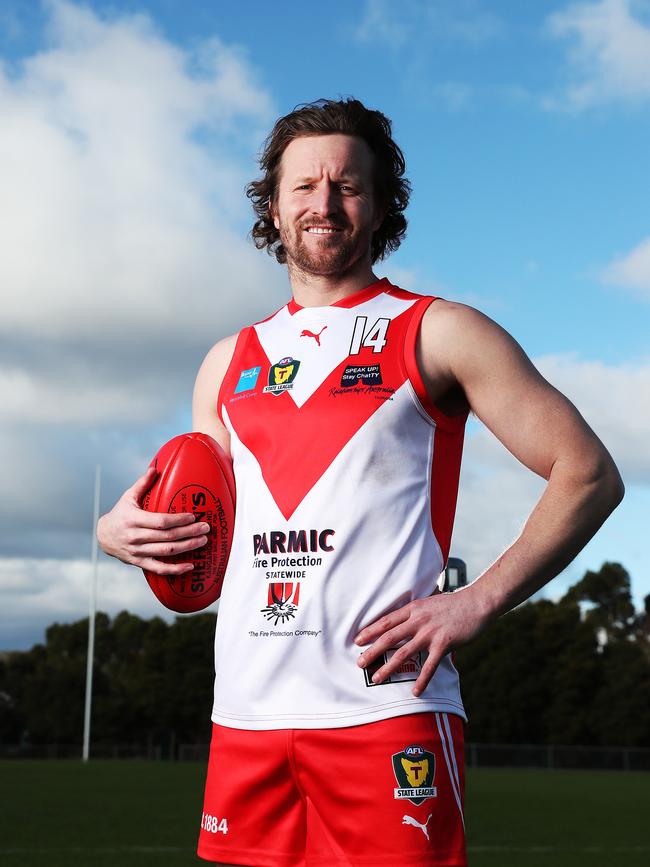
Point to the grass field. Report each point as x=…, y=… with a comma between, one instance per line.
x=136, y=814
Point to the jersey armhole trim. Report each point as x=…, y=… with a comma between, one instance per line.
x=445, y=422
x=241, y=337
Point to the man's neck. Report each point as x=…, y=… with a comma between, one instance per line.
x=317, y=290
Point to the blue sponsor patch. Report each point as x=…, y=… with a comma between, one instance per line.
x=247, y=379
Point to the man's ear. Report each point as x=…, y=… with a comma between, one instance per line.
x=274, y=215
x=379, y=217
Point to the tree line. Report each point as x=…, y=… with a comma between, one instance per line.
x=152, y=682
x=575, y=671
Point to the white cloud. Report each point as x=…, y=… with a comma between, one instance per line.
x=47, y=478
x=615, y=401
x=38, y=592
x=632, y=271
x=123, y=160
x=609, y=55
x=36, y=398
x=108, y=200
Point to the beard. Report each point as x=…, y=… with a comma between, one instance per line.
x=336, y=253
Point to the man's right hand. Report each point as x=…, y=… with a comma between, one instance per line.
x=138, y=537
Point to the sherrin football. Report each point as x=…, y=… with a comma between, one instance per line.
x=194, y=475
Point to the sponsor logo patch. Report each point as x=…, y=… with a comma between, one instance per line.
x=282, y=375
x=279, y=542
x=247, y=379
x=414, y=770
x=364, y=374
x=408, y=670
x=282, y=604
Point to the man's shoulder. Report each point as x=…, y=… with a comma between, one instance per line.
x=451, y=319
x=461, y=340
x=225, y=346
x=223, y=350
x=218, y=358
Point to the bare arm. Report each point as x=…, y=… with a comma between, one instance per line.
x=206, y=389
x=462, y=351
x=544, y=431
x=134, y=536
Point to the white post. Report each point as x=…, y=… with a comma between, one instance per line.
x=91, y=620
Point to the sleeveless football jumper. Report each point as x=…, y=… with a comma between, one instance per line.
x=347, y=477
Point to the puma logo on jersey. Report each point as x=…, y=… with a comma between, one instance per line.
x=307, y=333
x=409, y=820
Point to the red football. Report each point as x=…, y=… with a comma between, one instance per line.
x=194, y=475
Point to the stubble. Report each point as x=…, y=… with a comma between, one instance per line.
x=336, y=254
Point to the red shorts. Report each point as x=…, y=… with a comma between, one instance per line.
x=383, y=793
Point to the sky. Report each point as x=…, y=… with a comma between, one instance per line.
x=128, y=131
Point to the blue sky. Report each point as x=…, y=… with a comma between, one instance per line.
x=129, y=130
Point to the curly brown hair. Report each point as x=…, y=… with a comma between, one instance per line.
x=326, y=117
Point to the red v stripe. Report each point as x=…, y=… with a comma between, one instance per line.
x=294, y=445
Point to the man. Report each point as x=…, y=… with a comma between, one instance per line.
x=337, y=715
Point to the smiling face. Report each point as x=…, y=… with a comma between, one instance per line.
x=324, y=206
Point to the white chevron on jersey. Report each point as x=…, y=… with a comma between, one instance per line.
x=281, y=337
x=346, y=486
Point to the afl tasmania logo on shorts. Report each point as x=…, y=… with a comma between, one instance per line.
x=414, y=770
x=282, y=375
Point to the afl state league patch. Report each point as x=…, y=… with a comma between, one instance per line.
x=414, y=770
x=282, y=375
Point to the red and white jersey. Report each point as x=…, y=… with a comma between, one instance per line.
x=347, y=477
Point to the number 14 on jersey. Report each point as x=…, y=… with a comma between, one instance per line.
x=369, y=337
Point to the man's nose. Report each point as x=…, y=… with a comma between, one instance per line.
x=324, y=200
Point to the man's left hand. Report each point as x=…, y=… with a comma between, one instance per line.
x=437, y=624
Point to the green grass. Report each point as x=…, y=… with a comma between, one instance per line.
x=136, y=814
x=530, y=818
x=67, y=814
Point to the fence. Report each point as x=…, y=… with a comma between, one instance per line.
x=73, y=751
x=551, y=756
x=557, y=757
